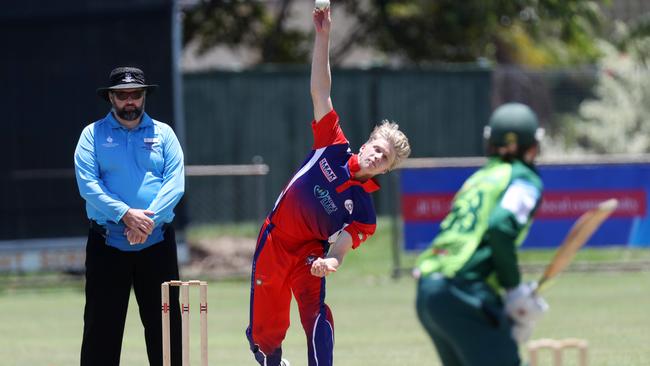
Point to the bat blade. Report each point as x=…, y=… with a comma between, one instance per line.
x=578, y=235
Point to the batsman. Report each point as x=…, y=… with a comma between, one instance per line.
x=470, y=298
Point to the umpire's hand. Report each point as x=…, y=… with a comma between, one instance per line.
x=135, y=236
x=136, y=219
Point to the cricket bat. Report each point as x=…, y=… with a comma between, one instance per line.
x=578, y=235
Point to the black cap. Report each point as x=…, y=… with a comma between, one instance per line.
x=126, y=78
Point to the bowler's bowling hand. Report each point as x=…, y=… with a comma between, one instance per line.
x=324, y=266
x=322, y=20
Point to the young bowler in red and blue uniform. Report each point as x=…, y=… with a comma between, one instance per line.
x=324, y=211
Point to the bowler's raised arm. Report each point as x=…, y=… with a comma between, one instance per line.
x=321, y=78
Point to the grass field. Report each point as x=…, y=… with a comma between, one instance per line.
x=374, y=317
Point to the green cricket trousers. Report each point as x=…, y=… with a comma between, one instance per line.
x=466, y=321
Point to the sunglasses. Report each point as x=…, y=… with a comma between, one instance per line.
x=124, y=95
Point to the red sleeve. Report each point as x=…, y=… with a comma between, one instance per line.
x=359, y=232
x=327, y=131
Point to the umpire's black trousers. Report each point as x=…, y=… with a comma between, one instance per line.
x=110, y=273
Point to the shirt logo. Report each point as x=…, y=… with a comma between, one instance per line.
x=323, y=195
x=349, y=205
x=327, y=170
x=109, y=142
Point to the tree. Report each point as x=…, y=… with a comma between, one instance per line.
x=617, y=118
x=249, y=23
x=528, y=32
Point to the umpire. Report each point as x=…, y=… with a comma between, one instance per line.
x=130, y=172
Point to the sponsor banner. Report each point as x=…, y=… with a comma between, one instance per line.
x=570, y=190
x=425, y=207
x=555, y=205
x=568, y=205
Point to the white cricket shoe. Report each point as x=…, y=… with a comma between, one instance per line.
x=285, y=362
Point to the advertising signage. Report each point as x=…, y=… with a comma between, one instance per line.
x=569, y=191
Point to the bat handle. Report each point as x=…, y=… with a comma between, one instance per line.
x=540, y=284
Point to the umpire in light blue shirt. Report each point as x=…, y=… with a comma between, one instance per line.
x=129, y=170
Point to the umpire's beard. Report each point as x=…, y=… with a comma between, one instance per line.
x=129, y=115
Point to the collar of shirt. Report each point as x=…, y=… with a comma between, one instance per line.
x=369, y=186
x=145, y=121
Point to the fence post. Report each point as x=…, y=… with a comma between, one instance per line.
x=261, y=190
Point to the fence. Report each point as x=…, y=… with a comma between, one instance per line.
x=231, y=117
x=41, y=126
x=214, y=194
x=226, y=193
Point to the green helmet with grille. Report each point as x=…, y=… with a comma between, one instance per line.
x=513, y=123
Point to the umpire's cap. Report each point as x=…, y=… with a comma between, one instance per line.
x=126, y=78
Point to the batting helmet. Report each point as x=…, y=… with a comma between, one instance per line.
x=513, y=123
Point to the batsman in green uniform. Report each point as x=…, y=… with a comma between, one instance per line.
x=470, y=297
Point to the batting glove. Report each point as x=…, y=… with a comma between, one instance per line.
x=525, y=308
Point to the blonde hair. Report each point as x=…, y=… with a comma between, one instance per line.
x=390, y=132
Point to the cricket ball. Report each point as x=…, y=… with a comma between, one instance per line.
x=321, y=4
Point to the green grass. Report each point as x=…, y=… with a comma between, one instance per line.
x=377, y=251
x=608, y=254
x=374, y=316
